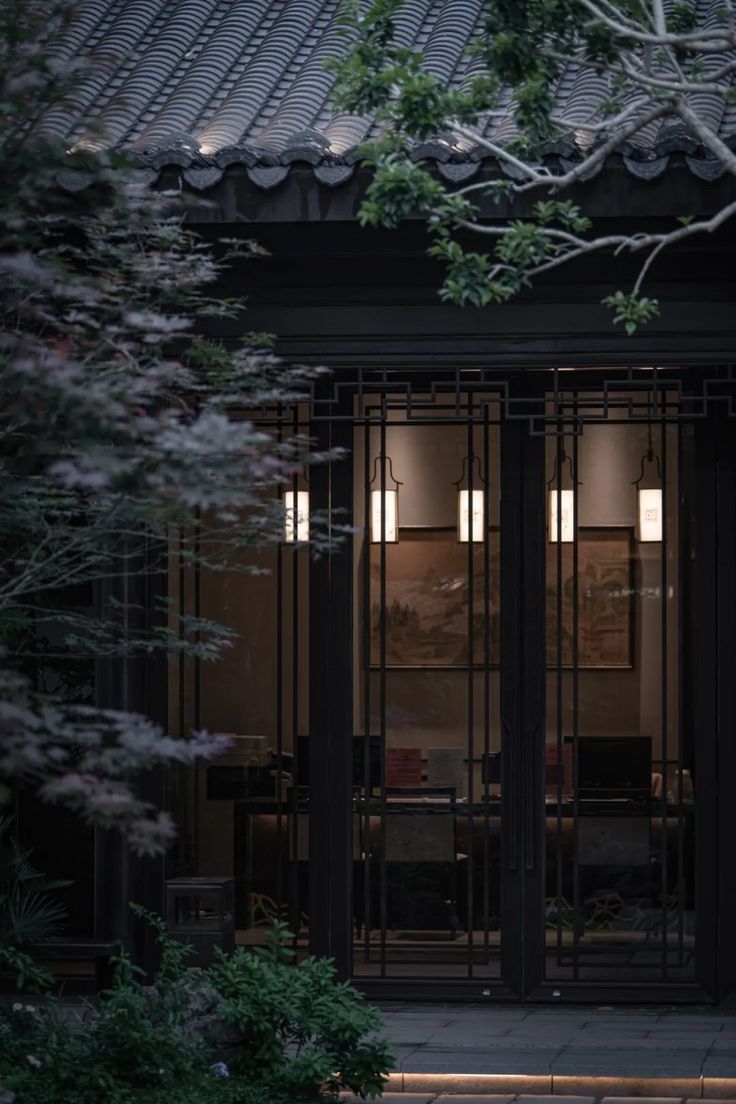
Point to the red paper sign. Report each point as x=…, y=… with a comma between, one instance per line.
x=404, y=767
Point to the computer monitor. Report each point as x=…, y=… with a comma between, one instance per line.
x=375, y=761
x=614, y=767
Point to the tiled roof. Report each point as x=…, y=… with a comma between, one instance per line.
x=206, y=84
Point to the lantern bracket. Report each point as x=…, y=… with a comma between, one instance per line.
x=387, y=459
x=563, y=458
x=464, y=473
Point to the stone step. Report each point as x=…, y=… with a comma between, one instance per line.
x=426, y=1088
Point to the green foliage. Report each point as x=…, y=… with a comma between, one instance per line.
x=29, y=912
x=522, y=50
x=298, y=1028
x=401, y=188
x=524, y=246
x=117, y=435
x=252, y=1029
x=631, y=309
x=365, y=76
x=564, y=212
x=27, y=975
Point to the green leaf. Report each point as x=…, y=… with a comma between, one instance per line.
x=633, y=310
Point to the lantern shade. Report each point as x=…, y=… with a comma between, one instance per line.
x=470, y=520
x=650, y=513
x=296, y=521
x=388, y=532
x=562, y=528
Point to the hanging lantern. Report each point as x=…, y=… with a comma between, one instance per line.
x=471, y=509
x=561, y=505
x=296, y=517
x=650, y=501
x=470, y=513
x=384, y=516
x=561, y=516
x=650, y=514
x=385, y=507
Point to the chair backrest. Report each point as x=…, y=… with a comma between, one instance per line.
x=414, y=833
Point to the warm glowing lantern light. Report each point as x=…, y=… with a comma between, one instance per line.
x=470, y=519
x=650, y=513
x=296, y=521
x=384, y=529
x=561, y=527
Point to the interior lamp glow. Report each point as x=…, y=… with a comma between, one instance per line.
x=296, y=521
x=650, y=513
x=649, y=500
x=385, y=529
x=470, y=517
x=561, y=527
x=471, y=507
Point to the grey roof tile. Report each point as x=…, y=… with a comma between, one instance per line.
x=204, y=84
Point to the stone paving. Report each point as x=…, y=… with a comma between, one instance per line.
x=460, y=1098
x=575, y=1052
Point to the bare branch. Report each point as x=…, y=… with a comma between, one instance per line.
x=605, y=125
x=631, y=243
x=701, y=40
x=677, y=86
x=541, y=177
x=707, y=136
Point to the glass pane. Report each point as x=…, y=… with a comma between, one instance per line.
x=427, y=745
x=245, y=816
x=619, y=789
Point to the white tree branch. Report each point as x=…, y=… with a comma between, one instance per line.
x=701, y=40
x=541, y=177
x=707, y=136
x=665, y=84
x=573, y=246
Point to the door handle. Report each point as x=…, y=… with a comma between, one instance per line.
x=530, y=812
x=510, y=823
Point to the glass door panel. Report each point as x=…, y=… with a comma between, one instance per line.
x=619, y=796
x=427, y=801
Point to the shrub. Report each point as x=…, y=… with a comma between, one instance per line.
x=251, y=1029
x=28, y=911
x=296, y=1028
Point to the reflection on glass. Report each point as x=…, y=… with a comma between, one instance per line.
x=244, y=818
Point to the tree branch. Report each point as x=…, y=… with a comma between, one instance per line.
x=542, y=177
x=708, y=137
x=632, y=243
x=702, y=41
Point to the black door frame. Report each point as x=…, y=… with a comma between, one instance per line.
x=713, y=613
x=522, y=704
x=707, y=529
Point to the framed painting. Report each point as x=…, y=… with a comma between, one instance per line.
x=426, y=619
x=427, y=596
x=605, y=600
